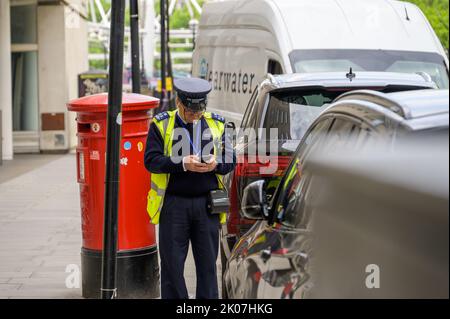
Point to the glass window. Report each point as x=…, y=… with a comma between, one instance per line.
x=24, y=74
x=244, y=135
x=250, y=110
x=253, y=115
x=317, y=66
x=314, y=138
x=25, y=91
x=436, y=71
x=340, y=135
x=274, y=67
x=295, y=202
x=310, y=61
x=24, y=24
x=292, y=112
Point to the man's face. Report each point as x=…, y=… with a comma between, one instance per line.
x=188, y=115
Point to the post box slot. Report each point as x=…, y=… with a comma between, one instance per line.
x=84, y=127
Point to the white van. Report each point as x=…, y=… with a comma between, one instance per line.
x=240, y=41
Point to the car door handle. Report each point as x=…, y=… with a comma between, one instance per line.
x=265, y=255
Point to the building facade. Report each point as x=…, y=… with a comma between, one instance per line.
x=43, y=48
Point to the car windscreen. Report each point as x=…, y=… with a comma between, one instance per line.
x=313, y=61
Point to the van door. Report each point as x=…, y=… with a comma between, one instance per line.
x=234, y=72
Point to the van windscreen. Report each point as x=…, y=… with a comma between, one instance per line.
x=314, y=61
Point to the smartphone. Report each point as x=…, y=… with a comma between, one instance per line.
x=207, y=158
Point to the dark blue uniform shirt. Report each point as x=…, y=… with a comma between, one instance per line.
x=183, y=183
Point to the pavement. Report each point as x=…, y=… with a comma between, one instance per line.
x=40, y=231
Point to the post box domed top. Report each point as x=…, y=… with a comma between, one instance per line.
x=99, y=103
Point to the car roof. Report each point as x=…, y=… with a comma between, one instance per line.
x=410, y=105
x=423, y=103
x=343, y=79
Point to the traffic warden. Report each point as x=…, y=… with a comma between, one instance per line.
x=188, y=154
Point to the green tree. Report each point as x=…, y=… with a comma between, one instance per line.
x=180, y=18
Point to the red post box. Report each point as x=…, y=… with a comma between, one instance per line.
x=137, y=258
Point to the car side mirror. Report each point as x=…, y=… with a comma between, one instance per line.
x=254, y=201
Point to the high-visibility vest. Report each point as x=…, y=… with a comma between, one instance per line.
x=159, y=182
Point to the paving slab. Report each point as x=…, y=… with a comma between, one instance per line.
x=40, y=232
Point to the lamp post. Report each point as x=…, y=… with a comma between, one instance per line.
x=109, y=258
x=193, y=25
x=164, y=99
x=134, y=30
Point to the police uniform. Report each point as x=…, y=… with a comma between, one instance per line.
x=178, y=198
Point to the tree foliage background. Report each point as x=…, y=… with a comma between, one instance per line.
x=180, y=18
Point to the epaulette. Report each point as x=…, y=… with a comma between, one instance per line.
x=162, y=116
x=217, y=117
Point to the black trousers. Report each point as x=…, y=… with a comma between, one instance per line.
x=182, y=220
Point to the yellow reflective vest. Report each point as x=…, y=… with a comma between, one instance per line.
x=159, y=182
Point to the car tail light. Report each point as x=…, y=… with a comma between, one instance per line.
x=234, y=207
x=261, y=166
x=250, y=167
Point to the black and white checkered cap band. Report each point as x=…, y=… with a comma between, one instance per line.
x=194, y=104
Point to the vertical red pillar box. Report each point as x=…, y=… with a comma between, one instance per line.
x=137, y=258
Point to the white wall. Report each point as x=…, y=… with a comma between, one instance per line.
x=52, y=68
x=63, y=54
x=5, y=80
x=76, y=60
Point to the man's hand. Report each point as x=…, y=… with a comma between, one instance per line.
x=211, y=164
x=192, y=163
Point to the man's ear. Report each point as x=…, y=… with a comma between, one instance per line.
x=178, y=103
